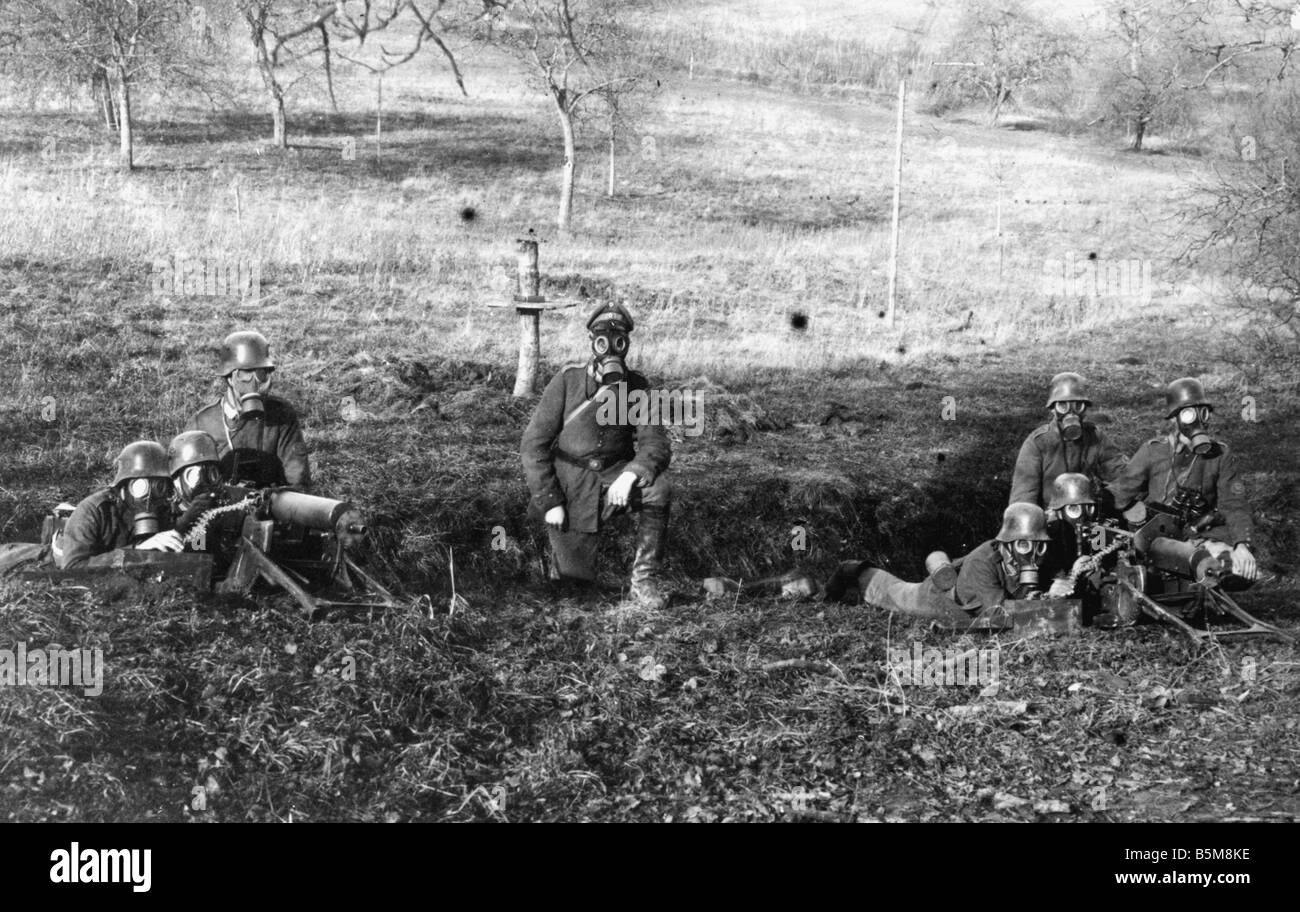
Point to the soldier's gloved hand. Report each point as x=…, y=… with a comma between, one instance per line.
x=555, y=517
x=621, y=489
x=162, y=541
x=1243, y=562
x=1061, y=588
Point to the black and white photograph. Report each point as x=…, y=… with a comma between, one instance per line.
x=651, y=411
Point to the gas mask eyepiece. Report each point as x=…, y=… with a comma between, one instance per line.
x=1069, y=417
x=146, y=498
x=1079, y=514
x=1192, y=422
x=196, y=480
x=610, y=348
x=249, y=388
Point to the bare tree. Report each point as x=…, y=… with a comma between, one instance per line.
x=1001, y=51
x=114, y=44
x=580, y=54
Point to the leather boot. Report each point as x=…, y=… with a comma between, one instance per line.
x=845, y=575
x=651, y=536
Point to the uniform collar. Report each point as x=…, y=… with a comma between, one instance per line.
x=1176, y=444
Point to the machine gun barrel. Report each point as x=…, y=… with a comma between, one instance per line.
x=323, y=514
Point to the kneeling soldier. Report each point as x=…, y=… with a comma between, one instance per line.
x=258, y=436
x=1196, y=476
x=571, y=457
x=1002, y=568
x=1066, y=443
x=134, y=512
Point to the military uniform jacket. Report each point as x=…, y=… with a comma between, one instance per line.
x=100, y=525
x=258, y=452
x=1045, y=454
x=982, y=580
x=554, y=481
x=1159, y=466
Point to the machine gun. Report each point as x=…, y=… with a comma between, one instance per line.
x=301, y=543
x=1160, y=573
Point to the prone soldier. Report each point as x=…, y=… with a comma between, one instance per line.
x=1195, y=476
x=573, y=454
x=259, y=438
x=133, y=512
x=969, y=591
x=1066, y=443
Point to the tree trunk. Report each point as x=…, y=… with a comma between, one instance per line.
x=266, y=68
x=611, y=163
x=102, y=93
x=126, y=139
x=565, y=217
x=1139, y=131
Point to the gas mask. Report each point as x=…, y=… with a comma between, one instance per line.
x=196, y=480
x=1022, y=558
x=610, y=347
x=1079, y=515
x=1069, y=418
x=1192, y=423
x=146, y=499
x=248, y=388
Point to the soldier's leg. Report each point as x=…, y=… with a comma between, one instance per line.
x=573, y=555
x=654, y=502
x=881, y=589
x=19, y=557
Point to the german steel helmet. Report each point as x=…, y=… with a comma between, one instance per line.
x=1024, y=522
x=613, y=313
x=142, y=459
x=1071, y=488
x=1067, y=387
x=191, y=448
x=245, y=350
x=1182, y=393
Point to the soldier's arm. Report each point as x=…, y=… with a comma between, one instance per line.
x=1026, y=480
x=291, y=449
x=654, y=450
x=1110, y=459
x=1232, y=501
x=978, y=585
x=83, y=538
x=1130, y=485
x=535, y=446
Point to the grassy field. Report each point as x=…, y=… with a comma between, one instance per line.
x=737, y=207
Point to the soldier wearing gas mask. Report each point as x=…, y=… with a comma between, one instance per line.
x=134, y=512
x=258, y=435
x=1066, y=443
x=193, y=461
x=1195, y=475
x=573, y=461
x=1071, y=516
x=1005, y=567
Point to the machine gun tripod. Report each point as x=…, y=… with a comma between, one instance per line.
x=1161, y=574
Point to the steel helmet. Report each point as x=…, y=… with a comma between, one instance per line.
x=1071, y=488
x=1184, y=392
x=1024, y=522
x=1067, y=387
x=191, y=448
x=142, y=459
x=247, y=350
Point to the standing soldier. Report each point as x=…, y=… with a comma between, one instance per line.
x=1196, y=476
x=258, y=435
x=573, y=452
x=1066, y=443
x=1004, y=567
x=130, y=513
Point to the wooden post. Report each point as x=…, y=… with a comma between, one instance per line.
x=898, y=190
x=379, y=118
x=611, y=163
x=530, y=331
